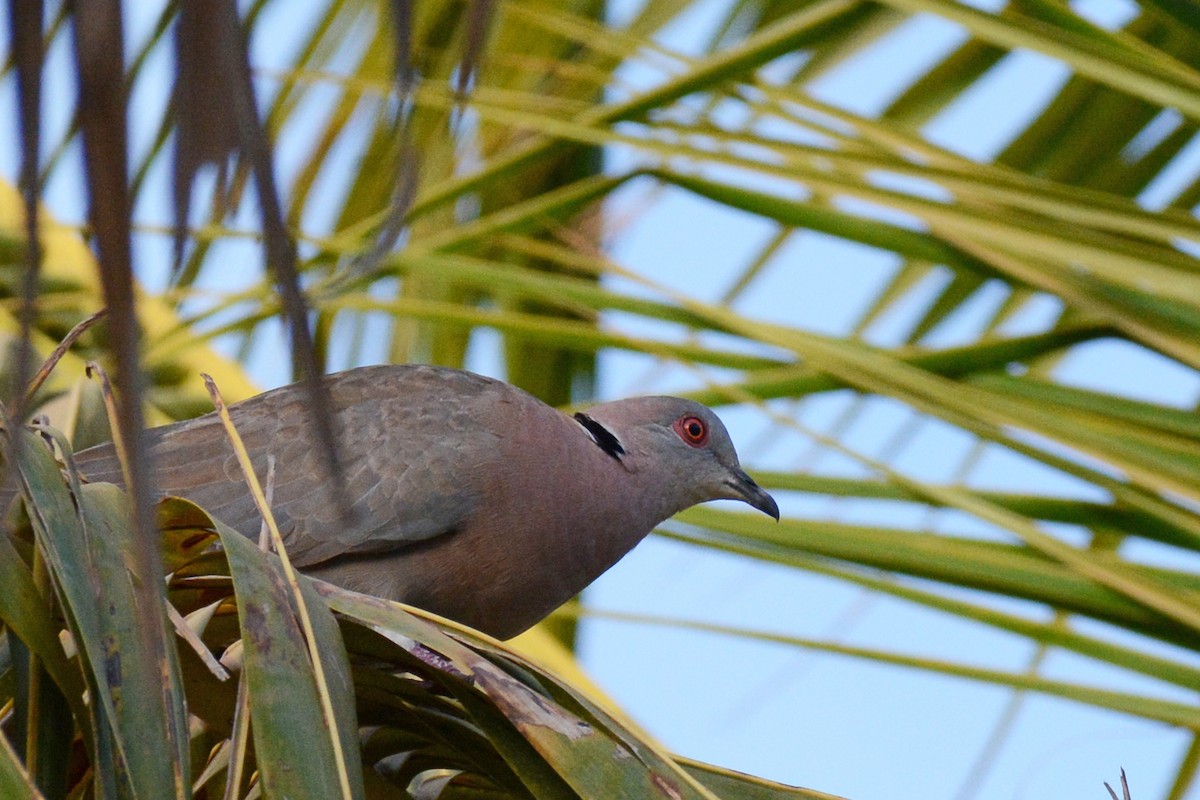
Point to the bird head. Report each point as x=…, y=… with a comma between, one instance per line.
x=682, y=444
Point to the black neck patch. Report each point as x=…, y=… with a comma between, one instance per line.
x=602, y=436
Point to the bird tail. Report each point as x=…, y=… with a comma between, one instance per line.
x=97, y=464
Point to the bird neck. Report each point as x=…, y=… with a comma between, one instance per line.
x=613, y=513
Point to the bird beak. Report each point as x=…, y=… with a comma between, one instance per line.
x=747, y=490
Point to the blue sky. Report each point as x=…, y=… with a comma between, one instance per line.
x=841, y=725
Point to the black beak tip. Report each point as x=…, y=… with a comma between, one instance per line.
x=768, y=506
x=756, y=497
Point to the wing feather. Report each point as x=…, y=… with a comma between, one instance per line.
x=416, y=445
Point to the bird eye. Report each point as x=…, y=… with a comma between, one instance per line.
x=692, y=430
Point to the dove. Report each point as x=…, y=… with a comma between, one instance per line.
x=467, y=496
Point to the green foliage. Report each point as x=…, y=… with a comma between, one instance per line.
x=505, y=235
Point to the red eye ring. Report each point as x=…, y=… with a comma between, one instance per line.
x=692, y=430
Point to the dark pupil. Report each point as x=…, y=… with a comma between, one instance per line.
x=694, y=429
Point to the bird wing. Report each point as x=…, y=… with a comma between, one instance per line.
x=415, y=450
